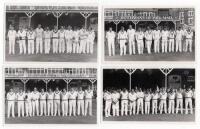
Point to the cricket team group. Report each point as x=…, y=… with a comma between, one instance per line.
x=164, y=40
x=39, y=40
x=138, y=101
x=52, y=103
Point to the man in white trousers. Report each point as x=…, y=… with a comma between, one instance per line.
x=43, y=103
x=131, y=40
x=179, y=38
x=83, y=40
x=140, y=103
x=80, y=102
x=140, y=42
x=110, y=37
x=193, y=97
x=47, y=40
x=22, y=40
x=147, y=99
x=90, y=41
x=72, y=102
x=50, y=98
x=20, y=102
x=156, y=38
x=124, y=102
x=171, y=40
x=55, y=40
x=61, y=39
x=107, y=96
x=164, y=36
x=39, y=39
x=64, y=99
x=88, y=101
x=122, y=40
x=28, y=103
x=76, y=43
x=155, y=97
x=179, y=101
x=148, y=39
x=188, y=100
x=163, y=101
x=68, y=38
x=35, y=101
x=171, y=98
x=57, y=102
x=31, y=40
x=132, y=96
x=189, y=38
x=11, y=97
x=115, y=103
x=12, y=35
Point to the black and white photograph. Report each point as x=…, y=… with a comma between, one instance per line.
x=50, y=95
x=51, y=33
x=164, y=94
x=149, y=34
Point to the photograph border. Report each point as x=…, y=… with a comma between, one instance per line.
x=46, y=66
x=150, y=61
x=50, y=4
x=152, y=122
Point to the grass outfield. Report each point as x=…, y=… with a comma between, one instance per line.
x=51, y=57
x=151, y=117
x=55, y=119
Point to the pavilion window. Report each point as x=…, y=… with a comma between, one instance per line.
x=73, y=71
x=95, y=72
x=20, y=72
x=83, y=71
x=10, y=71
x=87, y=71
x=31, y=72
x=190, y=21
x=80, y=71
x=38, y=71
x=190, y=13
x=61, y=71
x=70, y=71
x=181, y=14
x=67, y=71
x=42, y=71
x=115, y=13
x=28, y=71
x=49, y=71
x=129, y=13
x=34, y=72
x=108, y=14
x=6, y=71
x=182, y=21
x=53, y=71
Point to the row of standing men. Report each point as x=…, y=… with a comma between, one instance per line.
x=62, y=40
x=50, y=103
x=168, y=39
x=138, y=100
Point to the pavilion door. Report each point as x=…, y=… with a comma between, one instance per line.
x=24, y=21
x=174, y=81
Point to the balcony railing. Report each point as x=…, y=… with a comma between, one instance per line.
x=138, y=15
x=14, y=8
x=50, y=72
